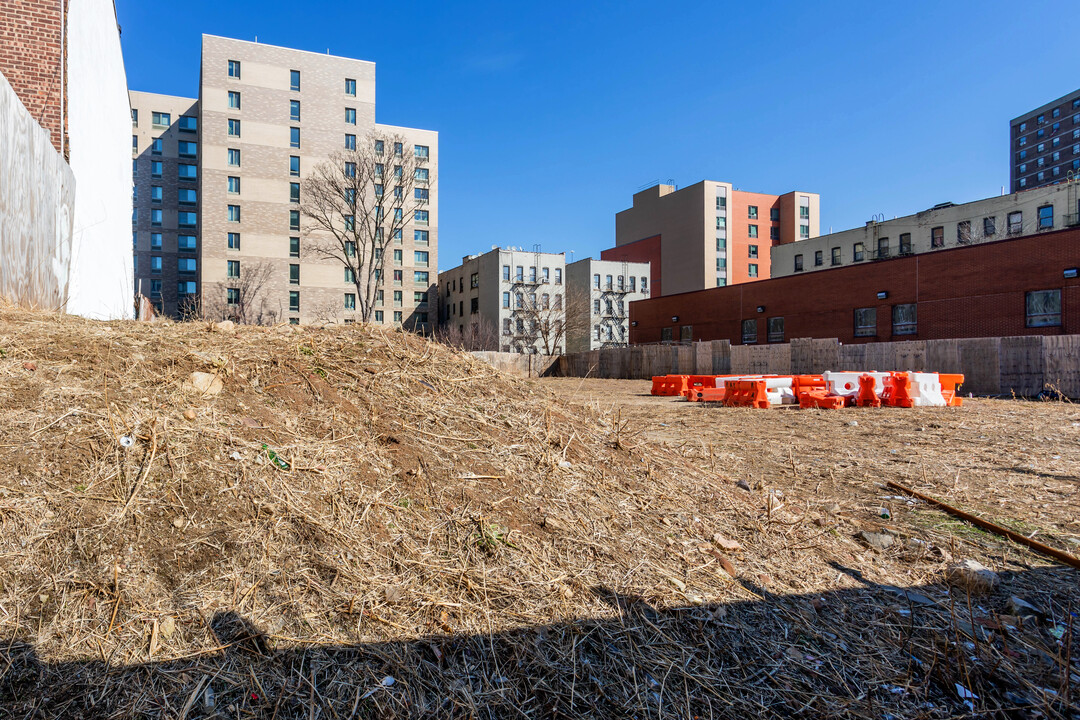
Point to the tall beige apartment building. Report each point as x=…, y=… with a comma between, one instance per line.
x=269, y=116
x=165, y=194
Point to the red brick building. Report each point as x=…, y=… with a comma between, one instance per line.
x=33, y=61
x=1022, y=286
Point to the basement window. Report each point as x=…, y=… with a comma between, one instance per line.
x=749, y=331
x=904, y=319
x=776, y=329
x=865, y=322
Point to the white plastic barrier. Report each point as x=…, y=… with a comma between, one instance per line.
x=926, y=390
x=846, y=384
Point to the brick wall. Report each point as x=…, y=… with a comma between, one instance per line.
x=31, y=58
x=976, y=291
x=641, y=251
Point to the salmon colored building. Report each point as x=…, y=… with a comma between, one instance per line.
x=709, y=234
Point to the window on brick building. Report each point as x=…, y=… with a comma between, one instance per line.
x=751, y=212
x=752, y=251
x=774, y=214
x=903, y=319
x=989, y=226
x=858, y=253
x=776, y=330
x=1046, y=217
x=752, y=231
x=937, y=237
x=1043, y=308
x=749, y=331
x=836, y=256
x=665, y=335
x=798, y=263
x=963, y=232
x=819, y=258
x=686, y=333
x=905, y=243
x=752, y=270
x=865, y=322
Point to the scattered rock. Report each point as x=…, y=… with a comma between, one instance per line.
x=394, y=593
x=552, y=524
x=744, y=485
x=853, y=423
x=723, y=542
x=1022, y=608
x=29, y=366
x=226, y=326
x=178, y=523
x=190, y=414
x=972, y=576
x=878, y=541
x=833, y=509
x=204, y=383
x=167, y=627
x=729, y=568
x=236, y=456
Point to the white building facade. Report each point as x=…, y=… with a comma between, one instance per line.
x=598, y=309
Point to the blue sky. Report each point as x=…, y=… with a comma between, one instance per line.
x=551, y=115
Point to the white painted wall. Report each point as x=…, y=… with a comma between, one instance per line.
x=99, y=128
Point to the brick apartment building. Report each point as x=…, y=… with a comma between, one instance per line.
x=164, y=224
x=709, y=234
x=1044, y=144
x=1022, y=286
x=34, y=62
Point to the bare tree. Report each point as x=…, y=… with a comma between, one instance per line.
x=241, y=299
x=543, y=320
x=478, y=334
x=359, y=202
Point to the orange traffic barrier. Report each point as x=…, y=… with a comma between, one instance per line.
x=949, y=383
x=867, y=395
x=898, y=391
x=669, y=385
x=706, y=394
x=746, y=393
x=820, y=399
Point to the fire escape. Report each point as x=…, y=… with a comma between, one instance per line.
x=524, y=329
x=613, y=310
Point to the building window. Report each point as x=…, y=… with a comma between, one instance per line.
x=1046, y=217
x=474, y=306
x=350, y=87
x=721, y=223
x=865, y=322
x=156, y=146
x=187, y=149
x=422, y=277
x=294, y=137
x=294, y=301
x=905, y=243
x=350, y=170
x=774, y=214
x=294, y=110
x=156, y=168
x=350, y=301
x=819, y=258
x=774, y=233
x=398, y=149
x=421, y=174
x=187, y=172
x=294, y=219
x=155, y=264
x=189, y=123
x=804, y=208
x=1043, y=308
x=804, y=231
x=234, y=241
x=234, y=100
x=752, y=251
x=420, y=258
x=903, y=319
x=421, y=217
x=234, y=213
x=155, y=218
x=350, y=116
x=155, y=241
x=798, y=263
x=161, y=120
x=350, y=276
x=420, y=194
x=752, y=270
x=232, y=268
x=234, y=69
x=294, y=80
x=294, y=248
x=294, y=166
x=155, y=193
x=857, y=252
x=558, y=278
x=989, y=226
x=350, y=142
x=134, y=117
x=188, y=287
x=751, y=212
x=749, y=331
x=776, y=329
x=963, y=232
x=937, y=237
x=187, y=196
x=506, y=300
x=294, y=274
x=234, y=157
x=1016, y=222
x=836, y=256
x=752, y=231
x=234, y=185
x=294, y=192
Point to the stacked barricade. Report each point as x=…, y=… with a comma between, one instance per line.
x=828, y=390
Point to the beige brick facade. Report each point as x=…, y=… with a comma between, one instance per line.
x=264, y=143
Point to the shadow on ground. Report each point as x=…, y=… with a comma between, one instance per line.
x=869, y=652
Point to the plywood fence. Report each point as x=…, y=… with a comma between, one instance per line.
x=37, y=195
x=1024, y=366
x=525, y=365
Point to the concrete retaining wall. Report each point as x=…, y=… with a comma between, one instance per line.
x=524, y=365
x=1024, y=366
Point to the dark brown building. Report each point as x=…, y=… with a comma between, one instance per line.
x=1044, y=144
x=1024, y=286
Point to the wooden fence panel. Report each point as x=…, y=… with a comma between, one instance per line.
x=943, y=356
x=826, y=354
x=1062, y=373
x=1023, y=366
x=980, y=362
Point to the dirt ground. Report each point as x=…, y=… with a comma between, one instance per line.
x=1014, y=462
